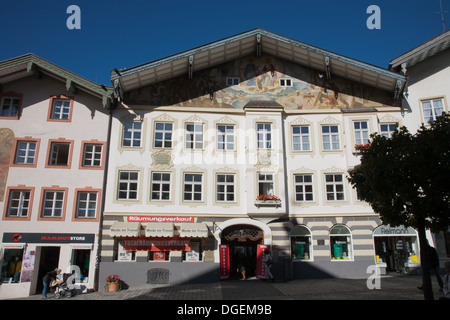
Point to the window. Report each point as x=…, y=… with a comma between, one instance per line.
x=120, y=254
x=160, y=188
x=225, y=137
x=387, y=129
x=196, y=253
x=303, y=187
x=131, y=135
x=25, y=152
x=53, y=204
x=334, y=187
x=285, y=82
x=92, y=155
x=60, y=109
x=19, y=204
x=300, y=138
x=163, y=135
x=192, y=190
x=11, y=265
x=264, y=135
x=431, y=109
x=87, y=202
x=340, y=243
x=233, y=81
x=361, y=131
x=330, y=138
x=60, y=153
x=301, y=243
x=225, y=187
x=128, y=185
x=265, y=184
x=10, y=106
x=194, y=136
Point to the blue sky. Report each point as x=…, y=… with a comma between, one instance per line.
x=118, y=34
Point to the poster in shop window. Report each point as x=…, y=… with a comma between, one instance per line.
x=260, y=265
x=194, y=254
x=224, y=261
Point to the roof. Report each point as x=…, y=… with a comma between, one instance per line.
x=256, y=42
x=30, y=64
x=422, y=52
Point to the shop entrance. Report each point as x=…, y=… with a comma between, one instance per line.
x=242, y=241
x=396, y=251
x=48, y=261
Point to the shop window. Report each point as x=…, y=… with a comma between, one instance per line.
x=301, y=243
x=11, y=265
x=341, y=243
x=120, y=254
x=81, y=259
x=158, y=255
x=196, y=253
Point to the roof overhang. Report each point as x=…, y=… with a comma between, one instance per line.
x=421, y=52
x=32, y=65
x=256, y=42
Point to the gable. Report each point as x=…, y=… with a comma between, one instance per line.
x=291, y=85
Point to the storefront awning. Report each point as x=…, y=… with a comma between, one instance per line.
x=159, y=229
x=125, y=229
x=194, y=230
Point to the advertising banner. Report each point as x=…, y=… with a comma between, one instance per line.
x=156, y=244
x=260, y=265
x=224, y=261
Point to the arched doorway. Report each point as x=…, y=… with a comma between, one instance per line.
x=242, y=240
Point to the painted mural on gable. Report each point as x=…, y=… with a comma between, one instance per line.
x=235, y=83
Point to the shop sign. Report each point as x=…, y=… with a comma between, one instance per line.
x=156, y=244
x=224, y=253
x=393, y=231
x=260, y=265
x=19, y=237
x=159, y=219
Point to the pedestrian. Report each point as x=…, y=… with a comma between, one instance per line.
x=49, y=276
x=268, y=263
x=434, y=266
x=446, y=287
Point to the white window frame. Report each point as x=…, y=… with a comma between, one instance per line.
x=166, y=135
x=23, y=203
x=193, y=186
x=25, y=152
x=334, y=188
x=266, y=186
x=302, y=137
x=388, y=133
x=128, y=183
x=57, y=205
x=264, y=135
x=61, y=112
x=90, y=158
x=333, y=137
x=433, y=109
x=226, y=138
x=135, y=134
x=89, y=204
x=286, y=82
x=161, y=185
x=361, y=132
x=12, y=108
x=223, y=187
x=303, y=192
x=194, y=138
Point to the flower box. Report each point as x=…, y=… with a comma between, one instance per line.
x=267, y=201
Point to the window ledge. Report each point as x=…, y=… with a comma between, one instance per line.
x=267, y=203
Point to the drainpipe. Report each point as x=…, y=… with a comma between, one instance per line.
x=102, y=206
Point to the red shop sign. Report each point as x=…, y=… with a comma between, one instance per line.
x=260, y=265
x=224, y=261
x=156, y=244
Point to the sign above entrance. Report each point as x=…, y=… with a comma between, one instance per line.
x=19, y=237
x=387, y=230
x=156, y=244
x=159, y=219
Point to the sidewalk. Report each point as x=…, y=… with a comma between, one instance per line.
x=391, y=288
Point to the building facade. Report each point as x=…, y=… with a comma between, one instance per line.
x=426, y=96
x=241, y=145
x=53, y=134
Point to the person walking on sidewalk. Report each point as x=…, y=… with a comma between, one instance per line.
x=268, y=263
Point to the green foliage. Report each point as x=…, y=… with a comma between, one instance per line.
x=406, y=178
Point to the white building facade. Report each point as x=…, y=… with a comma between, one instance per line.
x=53, y=134
x=200, y=138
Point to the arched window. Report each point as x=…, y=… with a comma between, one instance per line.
x=301, y=248
x=341, y=243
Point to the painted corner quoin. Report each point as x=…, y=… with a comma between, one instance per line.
x=234, y=84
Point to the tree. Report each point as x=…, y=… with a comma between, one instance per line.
x=406, y=180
